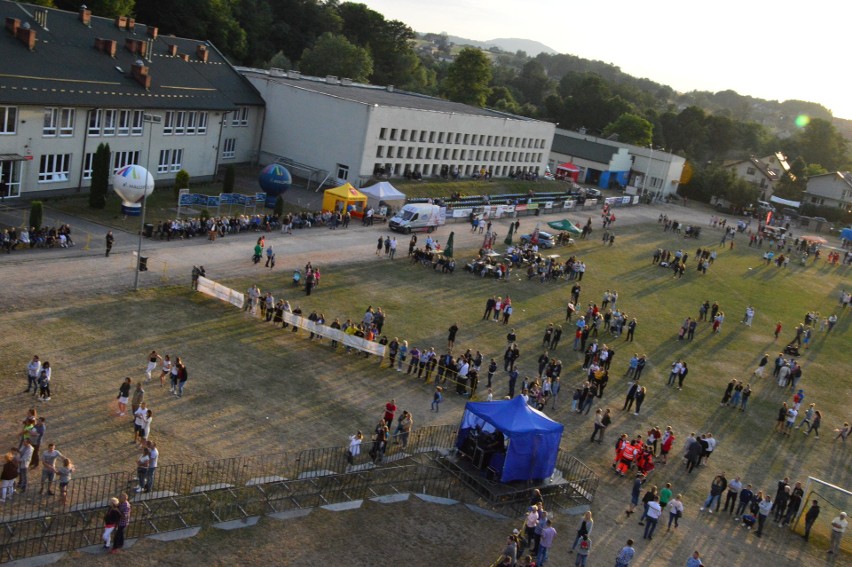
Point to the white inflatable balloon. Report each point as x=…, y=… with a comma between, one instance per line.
x=132, y=183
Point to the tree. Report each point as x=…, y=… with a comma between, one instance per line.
x=279, y=206
x=336, y=55
x=468, y=78
x=821, y=143
x=279, y=61
x=36, y=214
x=104, y=8
x=100, y=177
x=631, y=129
x=181, y=181
x=533, y=83
x=230, y=179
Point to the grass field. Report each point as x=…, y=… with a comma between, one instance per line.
x=243, y=371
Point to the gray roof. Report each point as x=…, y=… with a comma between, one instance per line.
x=66, y=69
x=381, y=96
x=585, y=149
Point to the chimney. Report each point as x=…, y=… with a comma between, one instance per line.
x=131, y=24
x=85, y=16
x=139, y=71
x=12, y=24
x=27, y=36
x=135, y=46
x=149, y=48
x=107, y=46
x=121, y=22
x=152, y=32
x=173, y=50
x=184, y=56
x=202, y=53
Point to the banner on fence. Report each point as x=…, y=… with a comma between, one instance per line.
x=461, y=213
x=213, y=289
x=569, y=204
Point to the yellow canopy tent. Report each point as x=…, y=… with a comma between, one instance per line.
x=344, y=198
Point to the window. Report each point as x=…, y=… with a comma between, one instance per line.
x=383, y=133
x=8, y=119
x=240, y=117
x=108, y=126
x=393, y=133
x=422, y=135
x=201, y=123
x=466, y=137
x=380, y=150
x=120, y=159
x=10, y=179
x=410, y=153
x=403, y=135
x=750, y=171
x=49, y=128
x=169, y=123
x=88, y=165
x=440, y=138
x=94, y=123
x=432, y=137
x=170, y=160
x=136, y=128
x=190, y=123
x=229, y=148
x=124, y=117
x=180, y=123
x=342, y=171
x=53, y=168
x=66, y=122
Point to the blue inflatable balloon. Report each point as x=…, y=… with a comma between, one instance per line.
x=274, y=180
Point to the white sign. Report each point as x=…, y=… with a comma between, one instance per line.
x=213, y=289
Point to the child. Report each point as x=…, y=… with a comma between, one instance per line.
x=437, y=398
x=65, y=478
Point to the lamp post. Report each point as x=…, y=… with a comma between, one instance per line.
x=150, y=119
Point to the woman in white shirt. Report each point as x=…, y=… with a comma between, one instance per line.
x=354, y=447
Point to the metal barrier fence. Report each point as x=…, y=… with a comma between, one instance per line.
x=204, y=493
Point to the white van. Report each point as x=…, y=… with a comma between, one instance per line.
x=765, y=206
x=418, y=216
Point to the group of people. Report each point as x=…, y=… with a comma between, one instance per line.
x=13, y=238
x=536, y=538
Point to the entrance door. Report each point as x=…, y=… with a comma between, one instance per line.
x=10, y=179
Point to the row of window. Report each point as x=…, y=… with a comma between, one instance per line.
x=410, y=152
x=55, y=168
x=399, y=169
x=59, y=121
x=459, y=138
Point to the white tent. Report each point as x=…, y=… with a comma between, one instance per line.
x=382, y=191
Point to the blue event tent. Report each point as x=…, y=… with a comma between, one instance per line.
x=532, y=438
x=846, y=234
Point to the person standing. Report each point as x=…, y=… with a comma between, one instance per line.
x=763, y=510
x=44, y=382
x=8, y=476
x=270, y=257
x=625, y=556
x=48, y=468
x=548, y=535
x=694, y=560
x=123, y=522
x=33, y=371
x=111, y=519
x=838, y=528
x=451, y=337
x=137, y=399
x=123, y=396
x=153, y=462
x=585, y=529
x=598, y=426
x=733, y=493
x=183, y=376
x=651, y=517
x=437, y=398
x=110, y=240
x=25, y=456
x=810, y=518
x=583, y=551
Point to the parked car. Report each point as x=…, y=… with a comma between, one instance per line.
x=592, y=193
x=545, y=239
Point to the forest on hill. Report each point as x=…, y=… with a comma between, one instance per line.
x=348, y=39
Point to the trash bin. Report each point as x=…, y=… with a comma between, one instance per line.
x=538, y=212
x=149, y=230
x=143, y=263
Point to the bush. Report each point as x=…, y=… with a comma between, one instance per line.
x=181, y=181
x=831, y=214
x=36, y=214
x=100, y=177
x=230, y=179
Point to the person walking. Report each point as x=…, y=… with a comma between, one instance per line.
x=675, y=508
x=437, y=398
x=548, y=535
x=270, y=257
x=110, y=240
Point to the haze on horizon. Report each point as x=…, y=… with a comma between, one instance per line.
x=774, y=51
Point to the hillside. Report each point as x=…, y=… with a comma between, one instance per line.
x=507, y=44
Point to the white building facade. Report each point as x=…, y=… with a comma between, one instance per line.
x=354, y=131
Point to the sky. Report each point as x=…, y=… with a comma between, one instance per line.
x=778, y=50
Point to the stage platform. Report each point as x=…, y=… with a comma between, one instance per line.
x=571, y=491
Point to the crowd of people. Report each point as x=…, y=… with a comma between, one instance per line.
x=13, y=238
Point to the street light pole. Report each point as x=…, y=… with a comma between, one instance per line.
x=151, y=119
